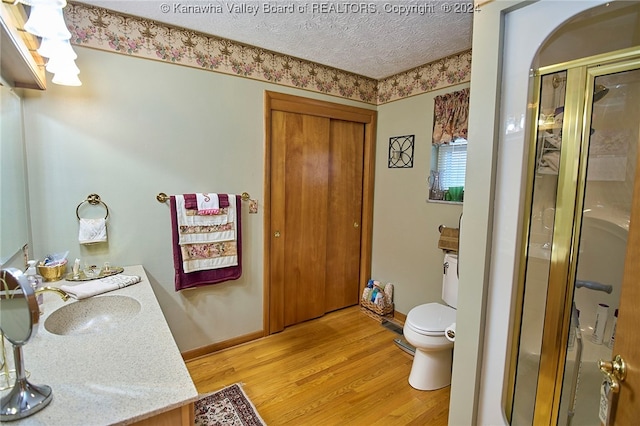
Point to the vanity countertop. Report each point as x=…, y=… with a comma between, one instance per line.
x=113, y=377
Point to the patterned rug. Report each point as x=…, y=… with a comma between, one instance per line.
x=229, y=407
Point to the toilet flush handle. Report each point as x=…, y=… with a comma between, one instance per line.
x=445, y=266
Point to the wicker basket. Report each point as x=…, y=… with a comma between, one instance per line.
x=376, y=312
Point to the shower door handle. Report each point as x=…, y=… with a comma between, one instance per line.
x=616, y=371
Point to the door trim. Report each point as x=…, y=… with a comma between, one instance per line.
x=274, y=101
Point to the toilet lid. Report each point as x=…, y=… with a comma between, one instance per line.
x=431, y=318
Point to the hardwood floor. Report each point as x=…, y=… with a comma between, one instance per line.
x=342, y=368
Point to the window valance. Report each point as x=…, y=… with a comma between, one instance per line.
x=451, y=117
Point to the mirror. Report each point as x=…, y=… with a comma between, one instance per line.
x=14, y=232
x=17, y=320
x=19, y=317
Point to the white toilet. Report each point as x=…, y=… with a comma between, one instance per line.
x=425, y=327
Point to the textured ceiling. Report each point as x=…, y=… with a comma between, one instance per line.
x=375, y=39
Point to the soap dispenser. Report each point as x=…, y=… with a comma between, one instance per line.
x=35, y=280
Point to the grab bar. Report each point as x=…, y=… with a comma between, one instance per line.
x=592, y=285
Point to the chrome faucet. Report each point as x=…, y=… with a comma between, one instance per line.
x=63, y=294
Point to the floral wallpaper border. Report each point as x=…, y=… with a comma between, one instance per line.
x=103, y=29
x=449, y=71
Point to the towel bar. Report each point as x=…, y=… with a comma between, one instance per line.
x=163, y=198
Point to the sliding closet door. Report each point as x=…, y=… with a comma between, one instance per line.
x=346, y=159
x=300, y=209
x=319, y=207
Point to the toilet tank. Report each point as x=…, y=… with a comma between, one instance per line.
x=450, y=280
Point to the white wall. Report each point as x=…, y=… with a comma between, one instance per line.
x=14, y=209
x=405, y=225
x=134, y=129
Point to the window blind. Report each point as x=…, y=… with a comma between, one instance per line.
x=452, y=164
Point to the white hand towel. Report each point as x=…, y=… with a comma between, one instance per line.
x=208, y=204
x=103, y=285
x=92, y=231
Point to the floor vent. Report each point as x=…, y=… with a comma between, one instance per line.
x=390, y=325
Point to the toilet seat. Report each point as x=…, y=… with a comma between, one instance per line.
x=431, y=319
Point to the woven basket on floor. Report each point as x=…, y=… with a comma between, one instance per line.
x=376, y=312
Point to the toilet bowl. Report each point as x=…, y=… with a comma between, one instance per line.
x=425, y=327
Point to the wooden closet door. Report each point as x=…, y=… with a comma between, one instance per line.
x=300, y=144
x=346, y=159
x=318, y=206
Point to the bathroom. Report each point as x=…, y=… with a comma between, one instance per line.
x=124, y=149
x=117, y=136
x=137, y=127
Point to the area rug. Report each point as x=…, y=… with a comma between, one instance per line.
x=229, y=407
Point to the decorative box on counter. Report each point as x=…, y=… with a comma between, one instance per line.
x=377, y=300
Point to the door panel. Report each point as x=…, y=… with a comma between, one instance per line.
x=305, y=143
x=276, y=244
x=305, y=234
x=627, y=337
x=627, y=341
x=345, y=214
x=612, y=134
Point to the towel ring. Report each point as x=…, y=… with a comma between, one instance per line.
x=94, y=200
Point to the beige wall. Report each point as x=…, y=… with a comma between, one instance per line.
x=405, y=225
x=134, y=129
x=137, y=127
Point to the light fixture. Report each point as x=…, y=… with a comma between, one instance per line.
x=57, y=65
x=55, y=3
x=54, y=47
x=47, y=21
x=66, y=79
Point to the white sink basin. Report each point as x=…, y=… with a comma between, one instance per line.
x=92, y=315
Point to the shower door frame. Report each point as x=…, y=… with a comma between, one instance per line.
x=570, y=195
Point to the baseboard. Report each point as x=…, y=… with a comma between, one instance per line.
x=218, y=346
x=399, y=317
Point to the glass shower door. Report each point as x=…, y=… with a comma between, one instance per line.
x=550, y=116
x=613, y=134
x=582, y=170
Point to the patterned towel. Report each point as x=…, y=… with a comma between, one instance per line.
x=102, y=285
x=204, y=251
x=205, y=243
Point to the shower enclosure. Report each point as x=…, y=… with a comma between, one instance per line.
x=582, y=170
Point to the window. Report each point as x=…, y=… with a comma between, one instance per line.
x=448, y=170
x=451, y=162
x=449, y=152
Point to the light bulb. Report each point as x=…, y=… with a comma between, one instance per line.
x=57, y=65
x=66, y=79
x=58, y=48
x=47, y=22
x=54, y=3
